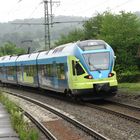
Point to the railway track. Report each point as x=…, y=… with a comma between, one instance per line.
x=132, y=107
x=39, y=125
x=69, y=119
x=131, y=113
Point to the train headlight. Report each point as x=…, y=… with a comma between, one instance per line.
x=88, y=77
x=110, y=74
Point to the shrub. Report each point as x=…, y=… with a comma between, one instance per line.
x=129, y=77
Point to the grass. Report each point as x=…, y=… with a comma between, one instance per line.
x=130, y=87
x=23, y=129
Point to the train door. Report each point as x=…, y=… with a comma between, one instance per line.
x=4, y=73
x=55, y=80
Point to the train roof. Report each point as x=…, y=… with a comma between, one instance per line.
x=63, y=50
x=27, y=59
x=8, y=60
x=70, y=48
x=60, y=51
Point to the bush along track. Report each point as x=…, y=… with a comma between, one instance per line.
x=22, y=127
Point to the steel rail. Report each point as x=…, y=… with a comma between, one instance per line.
x=76, y=123
x=40, y=126
x=133, y=107
x=113, y=112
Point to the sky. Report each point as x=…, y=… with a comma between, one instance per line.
x=23, y=9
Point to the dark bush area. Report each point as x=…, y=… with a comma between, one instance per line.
x=129, y=77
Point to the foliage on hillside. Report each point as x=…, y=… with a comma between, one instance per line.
x=20, y=33
x=10, y=49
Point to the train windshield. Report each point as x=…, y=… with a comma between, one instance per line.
x=97, y=61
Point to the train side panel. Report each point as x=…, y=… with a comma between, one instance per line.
x=8, y=69
x=27, y=75
x=11, y=76
x=2, y=73
x=53, y=73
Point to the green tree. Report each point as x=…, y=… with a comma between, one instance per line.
x=92, y=27
x=122, y=32
x=10, y=49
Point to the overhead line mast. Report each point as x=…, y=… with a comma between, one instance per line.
x=48, y=18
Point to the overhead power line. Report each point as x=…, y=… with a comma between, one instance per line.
x=35, y=9
x=56, y=22
x=120, y=5
x=31, y=13
x=13, y=8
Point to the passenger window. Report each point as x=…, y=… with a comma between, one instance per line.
x=1, y=71
x=43, y=70
x=19, y=69
x=79, y=69
x=73, y=67
x=30, y=70
x=50, y=70
x=61, y=71
x=10, y=70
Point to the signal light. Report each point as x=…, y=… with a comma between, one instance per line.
x=88, y=77
x=110, y=74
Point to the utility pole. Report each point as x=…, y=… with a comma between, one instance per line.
x=27, y=45
x=48, y=20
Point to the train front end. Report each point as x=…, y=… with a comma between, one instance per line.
x=92, y=74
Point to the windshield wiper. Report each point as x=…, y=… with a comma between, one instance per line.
x=97, y=69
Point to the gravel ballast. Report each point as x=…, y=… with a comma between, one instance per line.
x=109, y=125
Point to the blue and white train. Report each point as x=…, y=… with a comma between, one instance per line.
x=82, y=69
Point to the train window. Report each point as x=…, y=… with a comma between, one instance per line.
x=97, y=61
x=94, y=47
x=45, y=70
x=73, y=67
x=33, y=70
x=1, y=70
x=30, y=70
x=19, y=73
x=79, y=69
x=42, y=70
x=50, y=70
x=26, y=70
x=10, y=70
x=60, y=71
x=19, y=69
